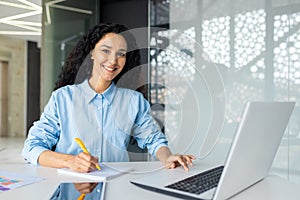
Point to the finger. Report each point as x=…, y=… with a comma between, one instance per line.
x=91, y=159
x=192, y=157
x=189, y=160
x=95, y=160
x=81, y=186
x=89, y=188
x=182, y=162
x=82, y=165
x=170, y=165
x=173, y=165
x=86, y=162
x=85, y=156
x=79, y=168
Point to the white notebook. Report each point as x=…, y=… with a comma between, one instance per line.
x=104, y=174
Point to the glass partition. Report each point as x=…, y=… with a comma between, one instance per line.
x=214, y=56
x=64, y=23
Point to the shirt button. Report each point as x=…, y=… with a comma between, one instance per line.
x=98, y=129
x=98, y=107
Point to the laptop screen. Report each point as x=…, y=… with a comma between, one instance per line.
x=254, y=146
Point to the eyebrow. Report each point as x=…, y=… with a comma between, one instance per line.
x=109, y=47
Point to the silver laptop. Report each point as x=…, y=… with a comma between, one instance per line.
x=249, y=160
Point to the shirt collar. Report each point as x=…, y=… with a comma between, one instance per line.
x=90, y=94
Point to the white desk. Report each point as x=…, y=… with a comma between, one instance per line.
x=273, y=187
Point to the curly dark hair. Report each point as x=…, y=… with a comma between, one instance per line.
x=79, y=58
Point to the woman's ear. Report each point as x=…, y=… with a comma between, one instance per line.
x=92, y=54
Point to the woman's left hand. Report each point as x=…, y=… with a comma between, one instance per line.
x=176, y=160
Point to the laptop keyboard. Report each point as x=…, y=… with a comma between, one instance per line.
x=199, y=183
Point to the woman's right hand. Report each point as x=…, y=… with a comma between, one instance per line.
x=85, y=188
x=82, y=162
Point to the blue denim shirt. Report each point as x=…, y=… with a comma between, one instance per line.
x=104, y=122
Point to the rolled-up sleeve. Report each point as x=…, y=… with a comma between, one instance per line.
x=145, y=131
x=44, y=133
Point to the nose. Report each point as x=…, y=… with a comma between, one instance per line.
x=112, y=59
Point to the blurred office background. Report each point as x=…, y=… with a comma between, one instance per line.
x=204, y=60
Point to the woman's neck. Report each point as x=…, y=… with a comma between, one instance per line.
x=99, y=85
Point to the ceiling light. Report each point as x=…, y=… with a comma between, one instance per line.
x=28, y=14
x=19, y=33
x=72, y=9
x=23, y=26
x=30, y=27
x=37, y=24
x=31, y=4
x=15, y=5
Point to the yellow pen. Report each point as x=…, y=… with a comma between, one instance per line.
x=81, y=197
x=82, y=146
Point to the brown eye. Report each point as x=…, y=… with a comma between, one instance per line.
x=106, y=51
x=121, y=54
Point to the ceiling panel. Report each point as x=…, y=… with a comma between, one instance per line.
x=21, y=19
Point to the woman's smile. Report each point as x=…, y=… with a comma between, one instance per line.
x=110, y=68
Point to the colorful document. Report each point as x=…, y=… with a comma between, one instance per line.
x=11, y=180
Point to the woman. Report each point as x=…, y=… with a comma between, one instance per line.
x=87, y=104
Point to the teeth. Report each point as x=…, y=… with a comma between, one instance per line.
x=109, y=69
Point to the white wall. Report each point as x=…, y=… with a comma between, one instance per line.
x=14, y=52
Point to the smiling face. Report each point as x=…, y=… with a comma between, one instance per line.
x=109, y=57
